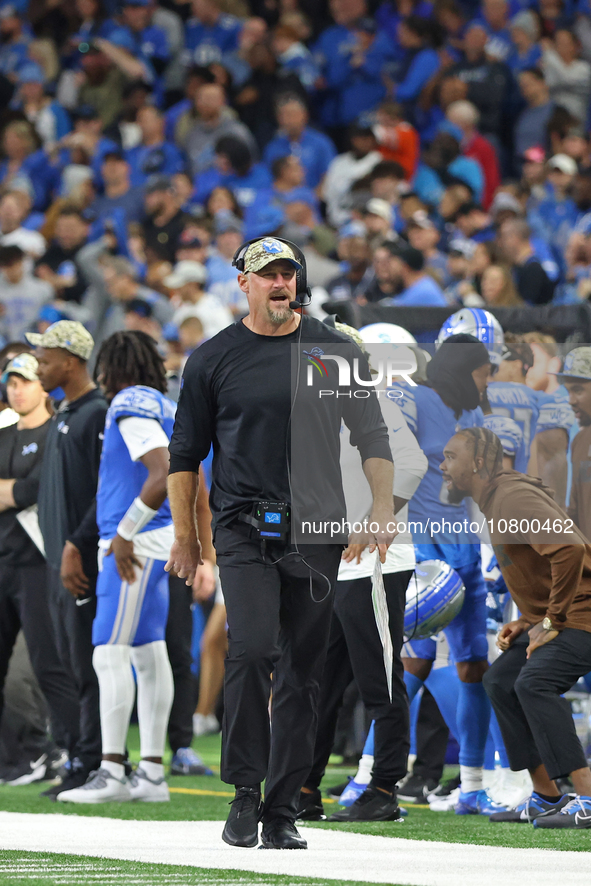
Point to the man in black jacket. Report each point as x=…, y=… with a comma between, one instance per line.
x=23, y=591
x=67, y=518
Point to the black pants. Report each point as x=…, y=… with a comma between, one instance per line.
x=432, y=739
x=73, y=631
x=536, y=723
x=355, y=650
x=23, y=604
x=274, y=626
x=179, y=635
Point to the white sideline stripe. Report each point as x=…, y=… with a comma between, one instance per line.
x=333, y=855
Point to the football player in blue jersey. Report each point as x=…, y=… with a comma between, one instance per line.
x=136, y=534
x=456, y=379
x=556, y=420
x=509, y=396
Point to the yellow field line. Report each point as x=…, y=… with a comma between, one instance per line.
x=200, y=793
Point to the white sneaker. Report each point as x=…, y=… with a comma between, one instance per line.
x=101, y=787
x=146, y=790
x=205, y=724
x=445, y=804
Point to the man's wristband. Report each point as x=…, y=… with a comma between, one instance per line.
x=137, y=516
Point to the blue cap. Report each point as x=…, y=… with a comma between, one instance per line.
x=31, y=72
x=136, y=2
x=267, y=220
x=170, y=332
x=352, y=229
x=451, y=129
x=49, y=314
x=122, y=38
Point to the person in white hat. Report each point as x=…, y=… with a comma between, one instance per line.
x=187, y=283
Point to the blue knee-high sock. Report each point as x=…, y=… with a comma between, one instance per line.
x=368, y=746
x=473, y=721
x=444, y=686
x=495, y=731
x=489, y=751
x=413, y=684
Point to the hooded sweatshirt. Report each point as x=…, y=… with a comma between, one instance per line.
x=547, y=564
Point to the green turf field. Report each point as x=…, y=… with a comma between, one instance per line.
x=206, y=799
x=41, y=869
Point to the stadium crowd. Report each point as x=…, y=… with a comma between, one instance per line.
x=428, y=155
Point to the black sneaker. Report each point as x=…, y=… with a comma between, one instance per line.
x=444, y=789
x=372, y=805
x=310, y=807
x=575, y=814
x=335, y=792
x=242, y=826
x=532, y=808
x=76, y=777
x=281, y=833
x=415, y=788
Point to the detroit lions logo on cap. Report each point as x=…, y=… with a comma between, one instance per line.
x=272, y=246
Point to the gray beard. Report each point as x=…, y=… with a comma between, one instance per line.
x=278, y=318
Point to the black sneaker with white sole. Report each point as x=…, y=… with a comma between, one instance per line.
x=415, y=788
x=444, y=789
x=242, y=826
x=281, y=833
x=372, y=805
x=531, y=809
x=310, y=807
x=76, y=776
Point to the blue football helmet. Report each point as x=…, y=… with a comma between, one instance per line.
x=479, y=323
x=434, y=596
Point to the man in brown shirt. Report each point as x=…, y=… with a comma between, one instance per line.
x=576, y=377
x=546, y=564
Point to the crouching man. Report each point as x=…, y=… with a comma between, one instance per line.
x=546, y=564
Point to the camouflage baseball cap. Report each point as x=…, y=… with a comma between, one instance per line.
x=67, y=334
x=24, y=365
x=264, y=251
x=577, y=365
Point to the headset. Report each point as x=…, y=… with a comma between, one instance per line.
x=302, y=288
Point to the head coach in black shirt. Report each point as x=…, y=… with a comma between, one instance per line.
x=237, y=396
x=67, y=519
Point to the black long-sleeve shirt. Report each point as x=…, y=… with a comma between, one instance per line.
x=238, y=395
x=21, y=457
x=69, y=479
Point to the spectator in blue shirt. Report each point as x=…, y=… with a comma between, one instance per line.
x=154, y=155
x=495, y=21
x=335, y=44
x=389, y=15
x=210, y=33
x=531, y=128
x=294, y=57
x=419, y=289
x=554, y=218
x=150, y=41
x=357, y=74
x=14, y=41
x=313, y=149
x=23, y=158
x=234, y=169
x=525, y=32
x=418, y=38
x=443, y=160
x=118, y=196
x=50, y=120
